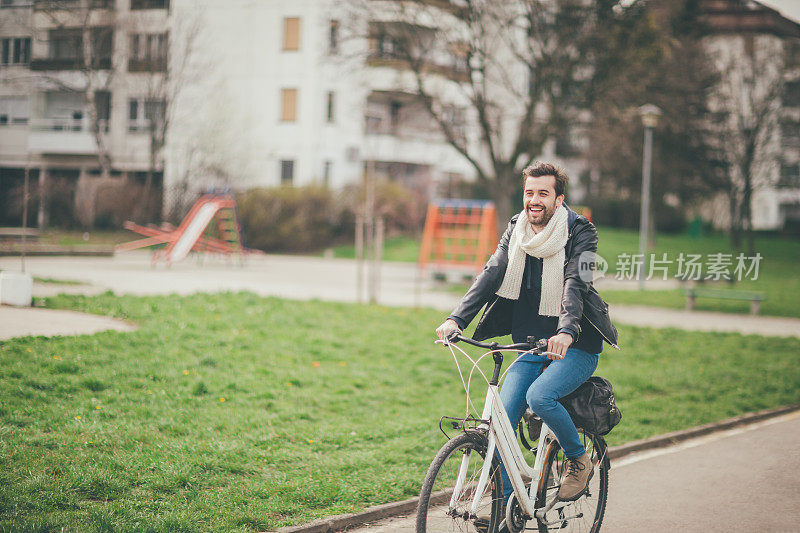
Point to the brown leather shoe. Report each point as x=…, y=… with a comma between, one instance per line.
x=482, y=524
x=576, y=478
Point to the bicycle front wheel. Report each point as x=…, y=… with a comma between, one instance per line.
x=458, y=464
x=584, y=515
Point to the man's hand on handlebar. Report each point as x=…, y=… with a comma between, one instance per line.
x=557, y=346
x=446, y=329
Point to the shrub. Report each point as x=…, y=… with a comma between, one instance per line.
x=305, y=219
x=290, y=219
x=403, y=210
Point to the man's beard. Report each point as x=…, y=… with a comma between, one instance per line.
x=543, y=218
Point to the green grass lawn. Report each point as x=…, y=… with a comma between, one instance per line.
x=234, y=412
x=400, y=248
x=54, y=281
x=777, y=271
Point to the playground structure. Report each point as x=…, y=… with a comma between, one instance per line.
x=193, y=234
x=583, y=210
x=458, y=234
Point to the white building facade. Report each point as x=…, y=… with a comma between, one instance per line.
x=45, y=123
x=304, y=92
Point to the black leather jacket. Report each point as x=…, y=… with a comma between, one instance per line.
x=579, y=298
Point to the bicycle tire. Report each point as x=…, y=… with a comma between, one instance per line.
x=592, y=506
x=433, y=513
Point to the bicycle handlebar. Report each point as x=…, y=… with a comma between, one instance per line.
x=533, y=345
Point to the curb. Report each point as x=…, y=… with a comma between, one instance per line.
x=37, y=250
x=349, y=521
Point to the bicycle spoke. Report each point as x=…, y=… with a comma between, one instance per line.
x=585, y=514
x=442, y=510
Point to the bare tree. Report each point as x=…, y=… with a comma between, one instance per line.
x=167, y=77
x=748, y=103
x=522, y=68
x=79, y=32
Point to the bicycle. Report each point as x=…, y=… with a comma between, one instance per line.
x=464, y=480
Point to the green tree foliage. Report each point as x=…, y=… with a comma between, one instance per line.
x=655, y=57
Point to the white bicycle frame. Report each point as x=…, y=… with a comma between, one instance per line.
x=504, y=440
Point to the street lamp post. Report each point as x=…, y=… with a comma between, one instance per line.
x=650, y=115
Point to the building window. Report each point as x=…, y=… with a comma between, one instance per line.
x=287, y=172
x=790, y=177
x=67, y=111
x=288, y=105
x=790, y=134
x=66, y=47
x=330, y=107
x=383, y=45
x=149, y=4
x=791, y=94
x=326, y=173
x=333, y=37
x=65, y=44
x=14, y=110
x=394, y=115
x=148, y=52
x=144, y=113
x=16, y=51
x=291, y=33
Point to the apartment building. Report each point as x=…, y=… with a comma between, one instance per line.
x=757, y=52
x=49, y=130
x=308, y=92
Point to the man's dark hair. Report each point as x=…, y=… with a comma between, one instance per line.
x=547, y=169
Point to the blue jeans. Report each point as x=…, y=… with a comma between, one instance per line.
x=527, y=385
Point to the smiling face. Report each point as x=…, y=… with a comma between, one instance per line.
x=540, y=200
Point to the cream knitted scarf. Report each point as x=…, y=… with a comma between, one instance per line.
x=547, y=245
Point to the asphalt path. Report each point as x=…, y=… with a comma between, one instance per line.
x=744, y=479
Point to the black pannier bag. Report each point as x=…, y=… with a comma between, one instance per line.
x=592, y=407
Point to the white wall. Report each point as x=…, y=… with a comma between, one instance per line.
x=230, y=117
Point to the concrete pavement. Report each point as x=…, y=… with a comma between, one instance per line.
x=742, y=479
x=305, y=278
x=20, y=322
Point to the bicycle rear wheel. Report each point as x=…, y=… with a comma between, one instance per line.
x=435, y=512
x=584, y=515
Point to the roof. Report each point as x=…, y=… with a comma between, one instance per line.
x=746, y=16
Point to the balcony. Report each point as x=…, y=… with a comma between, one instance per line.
x=406, y=150
x=147, y=65
x=149, y=4
x=450, y=72
x=52, y=5
x=723, y=16
x=103, y=63
x=62, y=136
x=394, y=44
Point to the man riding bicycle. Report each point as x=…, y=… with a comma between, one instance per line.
x=533, y=285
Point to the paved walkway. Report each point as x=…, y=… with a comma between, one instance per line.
x=19, y=322
x=743, y=479
x=306, y=278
